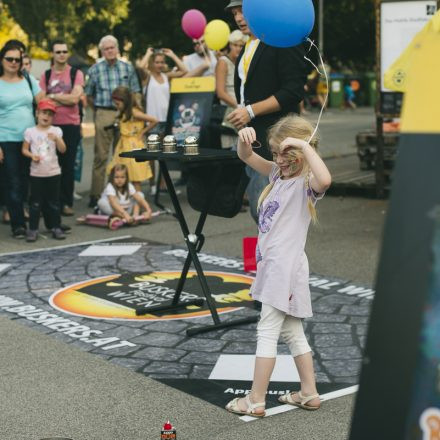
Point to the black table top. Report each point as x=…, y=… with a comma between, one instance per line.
x=205, y=154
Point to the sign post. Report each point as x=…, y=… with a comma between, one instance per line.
x=397, y=22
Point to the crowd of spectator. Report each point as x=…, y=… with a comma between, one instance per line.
x=127, y=101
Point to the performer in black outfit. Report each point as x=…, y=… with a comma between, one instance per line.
x=269, y=83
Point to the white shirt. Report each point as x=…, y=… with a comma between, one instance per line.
x=158, y=98
x=194, y=60
x=125, y=200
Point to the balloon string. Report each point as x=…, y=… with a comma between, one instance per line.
x=312, y=44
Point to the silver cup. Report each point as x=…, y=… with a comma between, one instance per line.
x=169, y=144
x=191, y=146
x=153, y=143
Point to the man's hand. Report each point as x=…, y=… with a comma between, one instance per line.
x=1, y=155
x=239, y=118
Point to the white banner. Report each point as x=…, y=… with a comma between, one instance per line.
x=400, y=22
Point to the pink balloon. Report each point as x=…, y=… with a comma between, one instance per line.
x=193, y=23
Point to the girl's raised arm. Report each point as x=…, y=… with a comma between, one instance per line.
x=246, y=136
x=321, y=178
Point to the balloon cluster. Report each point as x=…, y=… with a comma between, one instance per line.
x=216, y=32
x=279, y=23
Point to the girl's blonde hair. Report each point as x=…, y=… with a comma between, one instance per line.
x=296, y=127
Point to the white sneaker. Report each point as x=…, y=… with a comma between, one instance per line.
x=76, y=196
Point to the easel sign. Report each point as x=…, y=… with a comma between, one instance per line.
x=189, y=112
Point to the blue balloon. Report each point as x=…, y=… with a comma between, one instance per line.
x=280, y=23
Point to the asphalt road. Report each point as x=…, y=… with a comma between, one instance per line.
x=50, y=389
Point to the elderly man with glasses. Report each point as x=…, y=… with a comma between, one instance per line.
x=104, y=77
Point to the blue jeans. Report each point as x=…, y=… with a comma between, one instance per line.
x=255, y=187
x=14, y=172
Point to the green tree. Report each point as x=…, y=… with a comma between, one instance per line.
x=45, y=20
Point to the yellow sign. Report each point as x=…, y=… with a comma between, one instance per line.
x=421, y=108
x=193, y=85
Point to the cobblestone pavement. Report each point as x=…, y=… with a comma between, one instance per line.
x=161, y=349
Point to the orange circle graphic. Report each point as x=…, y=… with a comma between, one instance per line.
x=76, y=299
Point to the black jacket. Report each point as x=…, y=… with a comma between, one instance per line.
x=280, y=72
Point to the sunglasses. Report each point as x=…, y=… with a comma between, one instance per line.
x=12, y=59
x=58, y=52
x=196, y=43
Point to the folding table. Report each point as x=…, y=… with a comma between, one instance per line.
x=194, y=242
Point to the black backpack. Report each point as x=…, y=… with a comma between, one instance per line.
x=28, y=79
x=225, y=195
x=73, y=71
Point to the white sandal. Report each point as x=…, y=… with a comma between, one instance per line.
x=288, y=399
x=233, y=407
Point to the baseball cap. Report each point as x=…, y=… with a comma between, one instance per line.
x=47, y=104
x=234, y=4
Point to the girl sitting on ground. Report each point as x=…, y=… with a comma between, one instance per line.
x=119, y=203
x=132, y=128
x=298, y=178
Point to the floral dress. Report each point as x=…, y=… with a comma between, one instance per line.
x=282, y=278
x=129, y=140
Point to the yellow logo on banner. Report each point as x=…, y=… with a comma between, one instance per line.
x=193, y=85
x=118, y=296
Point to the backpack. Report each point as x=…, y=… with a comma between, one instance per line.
x=73, y=71
x=224, y=197
x=28, y=79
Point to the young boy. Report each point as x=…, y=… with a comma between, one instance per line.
x=40, y=145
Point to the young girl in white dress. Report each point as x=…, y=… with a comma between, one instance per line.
x=298, y=178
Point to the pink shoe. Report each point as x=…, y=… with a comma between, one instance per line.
x=115, y=223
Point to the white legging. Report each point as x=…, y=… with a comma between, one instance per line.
x=274, y=323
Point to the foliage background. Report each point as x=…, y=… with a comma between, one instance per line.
x=349, y=26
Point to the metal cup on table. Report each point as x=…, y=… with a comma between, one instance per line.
x=153, y=143
x=191, y=146
x=169, y=144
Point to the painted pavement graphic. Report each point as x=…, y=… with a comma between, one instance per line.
x=89, y=301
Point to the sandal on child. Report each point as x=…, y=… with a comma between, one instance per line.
x=115, y=223
x=233, y=407
x=303, y=403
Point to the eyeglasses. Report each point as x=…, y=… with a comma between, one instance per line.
x=196, y=43
x=12, y=59
x=58, y=52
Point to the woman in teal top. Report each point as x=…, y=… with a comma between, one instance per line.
x=16, y=115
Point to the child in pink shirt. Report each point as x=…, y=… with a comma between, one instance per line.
x=40, y=145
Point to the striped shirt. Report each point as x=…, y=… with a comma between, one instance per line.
x=104, y=78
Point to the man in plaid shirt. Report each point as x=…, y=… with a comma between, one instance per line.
x=104, y=77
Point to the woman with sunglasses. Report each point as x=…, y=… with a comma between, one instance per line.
x=17, y=96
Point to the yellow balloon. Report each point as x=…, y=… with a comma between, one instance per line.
x=217, y=34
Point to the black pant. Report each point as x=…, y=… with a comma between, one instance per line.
x=13, y=176
x=45, y=191
x=71, y=137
